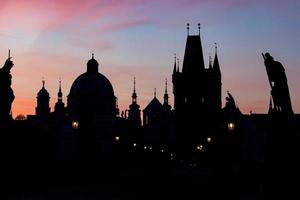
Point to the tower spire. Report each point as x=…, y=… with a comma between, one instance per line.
x=154, y=92
x=93, y=55
x=199, y=28
x=216, y=65
x=166, y=96
x=177, y=64
x=59, y=94
x=134, y=96
x=188, y=29
x=174, y=69
x=166, y=86
x=43, y=82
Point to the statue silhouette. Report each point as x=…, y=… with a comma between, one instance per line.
x=6, y=93
x=278, y=82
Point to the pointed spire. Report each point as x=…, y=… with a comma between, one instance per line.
x=59, y=94
x=166, y=96
x=134, y=96
x=188, y=29
x=133, y=84
x=216, y=65
x=174, y=69
x=177, y=64
x=154, y=92
x=43, y=82
x=166, y=86
x=199, y=28
x=93, y=55
x=59, y=84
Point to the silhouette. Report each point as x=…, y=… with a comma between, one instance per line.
x=197, y=95
x=7, y=94
x=197, y=139
x=279, y=86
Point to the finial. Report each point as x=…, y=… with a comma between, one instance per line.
x=188, y=28
x=216, y=47
x=59, y=83
x=92, y=54
x=8, y=53
x=43, y=82
x=133, y=84
x=154, y=92
x=175, y=57
x=166, y=86
x=177, y=64
x=199, y=28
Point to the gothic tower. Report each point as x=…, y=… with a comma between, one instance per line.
x=197, y=94
x=43, y=98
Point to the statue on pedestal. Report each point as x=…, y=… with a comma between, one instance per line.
x=6, y=93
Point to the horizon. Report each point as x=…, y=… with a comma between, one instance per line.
x=139, y=39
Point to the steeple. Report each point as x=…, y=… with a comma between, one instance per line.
x=193, y=61
x=175, y=67
x=216, y=65
x=134, y=113
x=166, y=96
x=59, y=94
x=59, y=105
x=134, y=96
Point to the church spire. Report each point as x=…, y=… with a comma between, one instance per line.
x=59, y=94
x=175, y=67
x=216, y=65
x=177, y=64
x=166, y=96
x=134, y=96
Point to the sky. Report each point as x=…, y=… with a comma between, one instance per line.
x=138, y=38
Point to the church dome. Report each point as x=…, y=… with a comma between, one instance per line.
x=92, y=92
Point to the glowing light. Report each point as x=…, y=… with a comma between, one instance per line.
x=75, y=124
x=145, y=147
x=150, y=148
x=231, y=126
x=162, y=150
x=134, y=144
x=209, y=139
x=199, y=147
x=117, y=138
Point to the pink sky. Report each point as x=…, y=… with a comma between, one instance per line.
x=53, y=39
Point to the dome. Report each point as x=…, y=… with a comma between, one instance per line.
x=92, y=84
x=92, y=93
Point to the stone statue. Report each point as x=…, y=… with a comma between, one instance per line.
x=278, y=83
x=6, y=92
